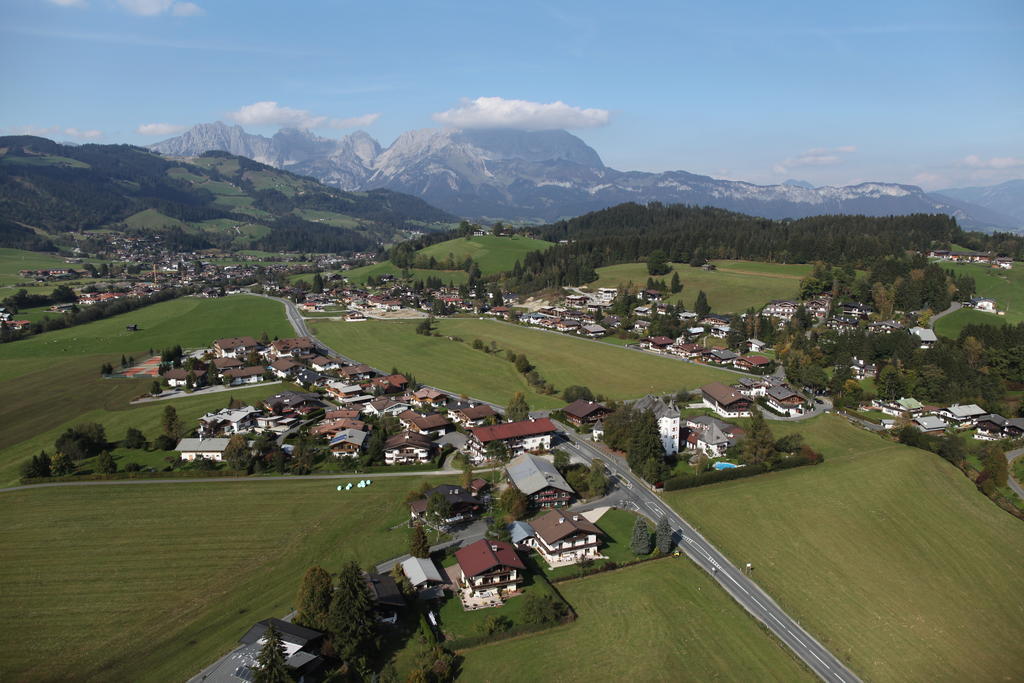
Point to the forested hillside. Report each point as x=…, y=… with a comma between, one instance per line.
x=689, y=234
x=220, y=199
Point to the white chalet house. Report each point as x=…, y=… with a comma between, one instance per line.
x=212, y=449
x=563, y=538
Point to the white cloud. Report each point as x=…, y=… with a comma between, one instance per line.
x=160, y=129
x=152, y=8
x=187, y=9
x=355, y=121
x=69, y=3
x=497, y=112
x=817, y=156
x=270, y=113
x=995, y=163
x=92, y=134
x=55, y=131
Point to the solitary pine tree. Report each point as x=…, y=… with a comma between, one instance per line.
x=641, y=541
x=418, y=545
x=314, y=599
x=106, y=463
x=645, y=447
x=171, y=423
x=350, y=619
x=517, y=408
x=675, y=286
x=996, y=466
x=759, y=446
x=270, y=666
x=663, y=536
x=701, y=306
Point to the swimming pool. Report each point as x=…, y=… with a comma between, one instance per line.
x=724, y=466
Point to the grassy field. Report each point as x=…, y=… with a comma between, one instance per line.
x=492, y=254
x=887, y=554
x=359, y=275
x=52, y=381
x=615, y=372
x=1005, y=286
x=660, y=621
x=733, y=288
x=13, y=260
x=951, y=325
x=152, y=582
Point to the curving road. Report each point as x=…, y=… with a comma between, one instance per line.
x=735, y=582
x=1013, y=483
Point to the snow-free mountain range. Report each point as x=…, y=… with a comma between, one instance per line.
x=514, y=175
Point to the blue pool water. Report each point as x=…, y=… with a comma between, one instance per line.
x=724, y=466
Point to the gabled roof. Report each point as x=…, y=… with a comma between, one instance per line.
x=202, y=445
x=290, y=633
x=421, y=570
x=408, y=438
x=235, y=342
x=722, y=394
x=384, y=590
x=425, y=422
x=485, y=555
x=353, y=436
x=556, y=525
x=969, y=410
x=531, y=474
x=583, y=409
x=513, y=430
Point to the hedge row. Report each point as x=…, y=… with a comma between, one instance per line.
x=688, y=481
x=179, y=474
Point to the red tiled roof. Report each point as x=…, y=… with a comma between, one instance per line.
x=484, y=555
x=512, y=430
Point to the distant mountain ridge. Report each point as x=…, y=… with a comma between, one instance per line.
x=543, y=176
x=215, y=199
x=1006, y=198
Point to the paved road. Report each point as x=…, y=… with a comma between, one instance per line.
x=731, y=578
x=955, y=306
x=205, y=391
x=1014, y=484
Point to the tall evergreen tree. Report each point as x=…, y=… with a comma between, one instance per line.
x=350, y=619
x=270, y=666
x=314, y=599
x=172, y=423
x=676, y=286
x=645, y=448
x=663, y=536
x=759, y=445
x=701, y=306
x=640, y=543
x=418, y=544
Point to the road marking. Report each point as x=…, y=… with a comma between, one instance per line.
x=776, y=620
x=759, y=604
x=820, y=659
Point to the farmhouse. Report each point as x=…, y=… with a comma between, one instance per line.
x=347, y=443
x=430, y=398
x=462, y=504
x=963, y=417
x=284, y=367
x=711, y=436
x=408, y=448
x=531, y=435
x=251, y=375
x=488, y=569
x=212, y=449
x=784, y=400
x=539, y=481
x=902, y=407
x=229, y=421
x=781, y=309
x=294, y=347
x=581, y=412
x=433, y=424
x=385, y=406
x=725, y=401
x=930, y=424
x=995, y=427
x=926, y=336
x=235, y=347
x=564, y=539
x=984, y=304
x=179, y=377
x=752, y=363
x=470, y=414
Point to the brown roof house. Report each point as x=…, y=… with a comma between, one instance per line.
x=487, y=572
x=563, y=539
x=725, y=401
x=526, y=436
x=434, y=424
x=582, y=412
x=407, y=448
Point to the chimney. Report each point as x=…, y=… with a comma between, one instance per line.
x=575, y=518
x=494, y=548
x=561, y=520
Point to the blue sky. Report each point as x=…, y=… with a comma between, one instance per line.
x=930, y=93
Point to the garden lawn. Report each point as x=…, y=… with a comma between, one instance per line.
x=887, y=554
x=733, y=288
x=659, y=621
x=951, y=325
x=617, y=526
x=492, y=254
x=152, y=582
x=562, y=360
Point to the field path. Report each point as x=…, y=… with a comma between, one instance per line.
x=776, y=276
